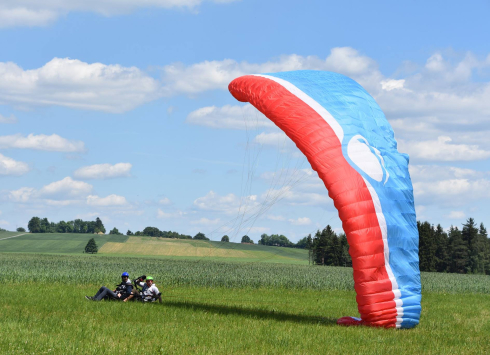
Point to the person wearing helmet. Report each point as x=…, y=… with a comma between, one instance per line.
x=149, y=291
x=122, y=291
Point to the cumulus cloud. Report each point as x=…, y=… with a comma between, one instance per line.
x=212, y=75
x=229, y=204
x=439, y=99
x=21, y=195
x=9, y=120
x=165, y=201
x=103, y=171
x=304, y=221
x=443, y=149
x=53, y=143
x=449, y=186
x=456, y=215
x=276, y=218
x=9, y=166
x=277, y=139
x=229, y=117
x=173, y=214
x=297, y=197
x=66, y=188
x=76, y=84
x=65, y=191
x=111, y=200
x=41, y=13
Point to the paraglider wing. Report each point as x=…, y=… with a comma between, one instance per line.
x=346, y=138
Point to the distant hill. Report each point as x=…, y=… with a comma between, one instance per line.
x=52, y=242
x=149, y=246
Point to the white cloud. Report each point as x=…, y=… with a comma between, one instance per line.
x=9, y=120
x=174, y=214
x=277, y=139
x=66, y=188
x=22, y=16
x=435, y=100
x=21, y=195
x=111, y=200
x=229, y=117
x=441, y=96
x=4, y=223
x=304, y=221
x=434, y=173
x=229, y=204
x=41, y=13
x=276, y=218
x=443, y=150
x=9, y=166
x=297, y=197
x=165, y=201
x=103, y=171
x=53, y=143
x=392, y=84
x=456, y=215
x=211, y=75
x=205, y=222
x=448, y=186
x=76, y=84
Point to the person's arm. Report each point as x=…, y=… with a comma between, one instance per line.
x=129, y=289
x=156, y=293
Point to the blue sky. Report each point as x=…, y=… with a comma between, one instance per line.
x=123, y=112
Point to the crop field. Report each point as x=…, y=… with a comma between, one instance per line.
x=148, y=246
x=52, y=242
x=208, y=249
x=213, y=307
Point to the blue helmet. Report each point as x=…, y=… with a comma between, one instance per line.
x=125, y=274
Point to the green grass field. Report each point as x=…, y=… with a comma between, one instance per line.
x=147, y=246
x=52, y=242
x=213, y=307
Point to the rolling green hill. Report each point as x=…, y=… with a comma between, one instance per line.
x=52, y=242
x=149, y=246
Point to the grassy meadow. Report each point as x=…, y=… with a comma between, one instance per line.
x=117, y=245
x=52, y=242
x=219, y=307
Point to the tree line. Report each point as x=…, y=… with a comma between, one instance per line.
x=464, y=251
x=42, y=225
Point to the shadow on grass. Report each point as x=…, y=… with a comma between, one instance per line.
x=252, y=313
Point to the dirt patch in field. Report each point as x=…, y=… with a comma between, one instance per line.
x=172, y=249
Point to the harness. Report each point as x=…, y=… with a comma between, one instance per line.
x=144, y=294
x=149, y=296
x=122, y=288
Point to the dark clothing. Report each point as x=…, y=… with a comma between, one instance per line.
x=124, y=289
x=104, y=292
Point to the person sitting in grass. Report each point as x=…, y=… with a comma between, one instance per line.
x=149, y=291
x=122, y=291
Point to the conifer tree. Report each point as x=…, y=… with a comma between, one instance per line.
x=91, y=247
x=441, y=254
x=470, y=237
x=485, y=245
x=458, y=251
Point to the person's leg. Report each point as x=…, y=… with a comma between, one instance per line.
x=100, y=291
x=104, y=292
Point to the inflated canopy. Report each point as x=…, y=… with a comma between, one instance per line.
x=348, y=141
